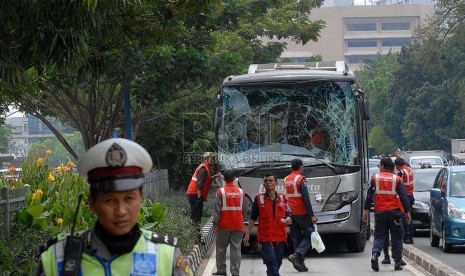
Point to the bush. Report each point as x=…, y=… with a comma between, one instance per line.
x=50, y=207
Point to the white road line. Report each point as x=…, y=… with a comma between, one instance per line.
x=211, y=264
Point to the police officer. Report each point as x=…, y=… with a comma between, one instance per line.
x=404, y=171
x=199, y=186
x=228, y=218
x=386, y=187
x=273, y=214
x=302, y=214
x=115, y=245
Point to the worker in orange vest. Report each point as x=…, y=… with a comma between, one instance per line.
x=302, y=214
x=197, y=192
x=273, y=214
x=404, y=171
x=228, y=218
x=386, y=188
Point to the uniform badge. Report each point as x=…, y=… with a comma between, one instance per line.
x=116, y=156
x=179, y=262
x=144, y=264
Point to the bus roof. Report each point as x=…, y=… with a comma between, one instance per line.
x=282, y=72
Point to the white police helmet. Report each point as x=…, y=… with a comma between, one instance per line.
x=114, y=165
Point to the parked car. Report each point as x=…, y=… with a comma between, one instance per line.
x=373, y=166
x=423, y=183
x=447, y=212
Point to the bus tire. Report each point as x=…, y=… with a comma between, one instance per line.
x=355, y=243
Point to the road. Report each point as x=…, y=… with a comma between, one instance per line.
x=334, y=261
x=454, y=259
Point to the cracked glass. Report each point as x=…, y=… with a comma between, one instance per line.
x=313, y=119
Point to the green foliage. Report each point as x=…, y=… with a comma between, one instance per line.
x=60, y=154
x=5, y=132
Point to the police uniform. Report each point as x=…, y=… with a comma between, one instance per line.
x=115, y=165
x=386, y=190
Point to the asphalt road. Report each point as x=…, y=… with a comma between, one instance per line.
x=456, y=259
x=334, y=261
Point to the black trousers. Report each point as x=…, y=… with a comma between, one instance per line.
x=196, y=212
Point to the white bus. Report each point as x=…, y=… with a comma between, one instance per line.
x=315, y=111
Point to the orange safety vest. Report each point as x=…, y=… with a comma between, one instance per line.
x=270, y=226
x=385, y=192
x=231, y=217
x=294, y=197
x=407, y=179
x=192, y=189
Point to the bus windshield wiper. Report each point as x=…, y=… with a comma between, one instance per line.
x=266, y=164
x=314, y=157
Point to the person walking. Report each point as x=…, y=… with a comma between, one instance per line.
x=302, y=214
x=404, y=171
x=386, y=189
x=115, y=245
x=273, y=214
x=197, y=191
x=228, y=218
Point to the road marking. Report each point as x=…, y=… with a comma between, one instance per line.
x=211, y=264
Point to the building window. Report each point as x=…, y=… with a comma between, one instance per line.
x=361, y=27
x=399, y=26
x=393, y=42
x=360, y=58
x=353, y=43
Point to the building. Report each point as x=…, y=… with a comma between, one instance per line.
x=28, y=130
x=359, y=33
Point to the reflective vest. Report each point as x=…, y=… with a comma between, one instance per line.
x=192, y=189
x=270, y=226
x=385, y=192
x=407, y=179
x=231, y=217
x=292, y=183
x=147, y=258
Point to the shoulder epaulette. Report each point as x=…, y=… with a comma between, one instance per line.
x=170, y=240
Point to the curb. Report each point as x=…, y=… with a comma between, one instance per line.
x=425, y=261
x=196, y=255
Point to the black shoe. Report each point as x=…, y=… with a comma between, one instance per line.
x=397, y=266
x=295, y=259
x=302, y=262
x=219, y=273
x=374, y=262
x=408, y=241
x=386, y=260
x=403, y=263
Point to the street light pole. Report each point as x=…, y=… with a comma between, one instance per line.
x=127, y=107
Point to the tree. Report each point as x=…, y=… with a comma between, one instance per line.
x=179, y=48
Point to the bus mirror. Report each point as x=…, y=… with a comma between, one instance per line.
x=366, y=110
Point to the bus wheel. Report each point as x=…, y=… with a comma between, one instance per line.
x=356, y=242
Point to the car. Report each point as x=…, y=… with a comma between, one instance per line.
x=416, y=162
x=423, y=183
x=373, y=166
x=447, y=208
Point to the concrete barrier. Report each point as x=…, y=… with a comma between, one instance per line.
x=196, y=255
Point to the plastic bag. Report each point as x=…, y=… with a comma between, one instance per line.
x=317, y=242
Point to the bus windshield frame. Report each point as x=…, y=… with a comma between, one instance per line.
x=276, y=122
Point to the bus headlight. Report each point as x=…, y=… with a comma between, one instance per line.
x=337, y=201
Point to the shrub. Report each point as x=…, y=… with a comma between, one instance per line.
x=50, y=207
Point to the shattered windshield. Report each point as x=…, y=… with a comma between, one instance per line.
x=312, y=119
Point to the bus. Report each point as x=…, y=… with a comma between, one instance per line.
x=315, y=111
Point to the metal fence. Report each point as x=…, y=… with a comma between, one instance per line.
x=156, y=184
x=11, y=200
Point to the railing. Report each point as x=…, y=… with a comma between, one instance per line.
x=156, y=184
x=11, y=200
